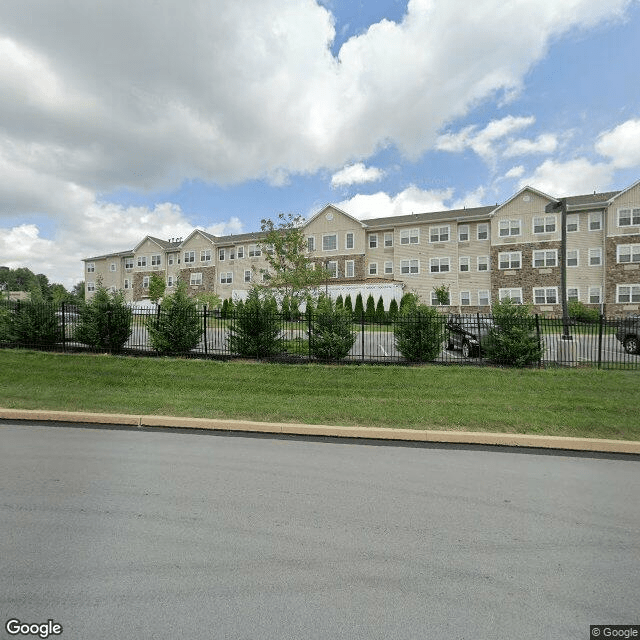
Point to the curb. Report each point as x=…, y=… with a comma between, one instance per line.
x=414, y=435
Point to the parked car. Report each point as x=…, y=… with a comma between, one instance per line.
x=628, y=332
x=467, y=333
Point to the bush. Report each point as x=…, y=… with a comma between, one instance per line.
x=381, y=314
x=34, y=324
x=358, y=309
x=370, y=312
x=255, y=327
x=393, y=310
x=177, y=327
x=580, y=312
x=105, y=321
x=513, y=340
x=331, y=336
x=6, y=331
x=348, y=305
x=419, y=332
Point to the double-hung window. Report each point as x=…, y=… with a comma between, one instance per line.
x=330, y=242
x=205, y=255
x=439, y=234
x=483, y=298
x=348, y=241
x=113, y=267
x=127, y=283
x=170, y=281
x=595, y=221
x=145, y=282
x=548, y=295
x=247, y=275
x=195, y=279
x=128, y=263
x=439, y=265
x=142, y=261
x=463, y=233
x=464, y=263
x=544, y=224
x=156, y=260
x=388, y=239
x=349, y=268
x=410, y=236
x=627, y=293
x=515, y=295
x=595, y=257
x=226, y=277
x=628, y=253
x=509, y=228
x=629, y=217
x=409, y=267
x=573, y=294
x=254, y=251
x=332, y=268
x=373, y=268
x=311, y=243
x=91, y=286
x=373, y=241
x=572, y=258
x=483, y=263
x=547, y=258
x=465, y=298
x=388, y=268
x=483, y=231
x=573, y=222
x=221, y=255
x=511, y=260
x=189, y=256
x=240, y=252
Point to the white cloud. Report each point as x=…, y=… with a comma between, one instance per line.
x=621, y=144
x=356, y=174
x=382, y=205
x=515, y=172
x=483, y=142
x=572, y=177
x=474, y=198
x=545, y=143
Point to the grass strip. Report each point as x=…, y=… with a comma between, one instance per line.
x=570, y=402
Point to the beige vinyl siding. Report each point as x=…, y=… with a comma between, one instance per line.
x=519, y=208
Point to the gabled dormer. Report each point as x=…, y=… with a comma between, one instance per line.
x=332, y=231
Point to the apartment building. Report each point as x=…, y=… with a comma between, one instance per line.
x=480, y=254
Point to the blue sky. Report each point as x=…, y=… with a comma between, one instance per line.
x=120, y=122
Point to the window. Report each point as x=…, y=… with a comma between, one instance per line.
x=388, y=239
x=142, y=261
x=483, y=231
x=595, y=295
x=439, y=265
x=348, y=241
x=434, y=299
x=170, y=281
x=240, y=252
x=195, y=279
x=145, y=282
x=170, y=259
x=247, y=275
x=205, y=255
x=573, y=294
x=127, y=283
x=269, y=249
x=226, y=277
x=483, y=263
x=545, y=258
x=349, y=267
x=332, y=267
x=547, y=295
x=627, y=293
x=232, y=253
x=311, y=243
x=373, y=268
x=573, y=222
x=572, y=258
x=91, y=267
x=545, y=224
x=595, y=221
x=409, y=266
x=465, y=298
x=463, y=233
x=628, y=253
x=628, y=217
x=388, y=267
x=483, y=298
x=221, y=255
x=439, y=234
x=464, y=263
x=509, y=228
x=156, y=260
x=373, y=241
x=330, y=243
x=410, y=236
x=595, y=257
x=112, y=266
x=128, y=263
x=91, y=286
x=509, y=260
x=189, y=256
x=254, y=251
x=514, y=294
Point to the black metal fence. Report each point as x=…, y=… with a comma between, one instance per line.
x=460, y=339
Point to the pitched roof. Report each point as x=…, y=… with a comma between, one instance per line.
x=117, y=254
x=435, y=216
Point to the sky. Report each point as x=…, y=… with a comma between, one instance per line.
x=125, y=118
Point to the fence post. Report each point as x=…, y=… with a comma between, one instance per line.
x=64, y=328
x=362, y=331
x=204, y=323
x=600, y=327
x=539, y=341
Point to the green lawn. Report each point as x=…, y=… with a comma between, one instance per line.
x=575, y=402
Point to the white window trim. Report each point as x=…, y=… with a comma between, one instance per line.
x=156, y=260
x=240, y=252
x=189, y=257
x=388, y=239
x=545, y=220
x=145, y=282
x=113, y=267
x=311, y=243
x=512, y=223
x=577, y=290
x=226, y=277
x=634, y=250
x=468, y=304
x=571, y=217
x=91, y=286
x=142, y=261
x=577, y=264
x=502, y=293
x=631, y=286
x=349, y=240
x=440, y=234
x=467, y=264
x=129, y=263
x=546, y=290
x=194, y=277
x=409, y=266
x=595, y=216
x=481, y=296
x=373, y=240
x=486, y=227
x=247, y=272
x=478, y=263
x=222, y=254
x=374, y=266
x=461, y=228
x=332, y=268
x=510, y=254
x=410, y=236
x=329, y=235
x=593, y=252
x=440, y=262
x=388, y=268
x=347, y=264
x=598, y=290
x=545, y=265
x=634, y=213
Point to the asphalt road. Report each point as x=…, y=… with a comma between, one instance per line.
x=130, y=534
